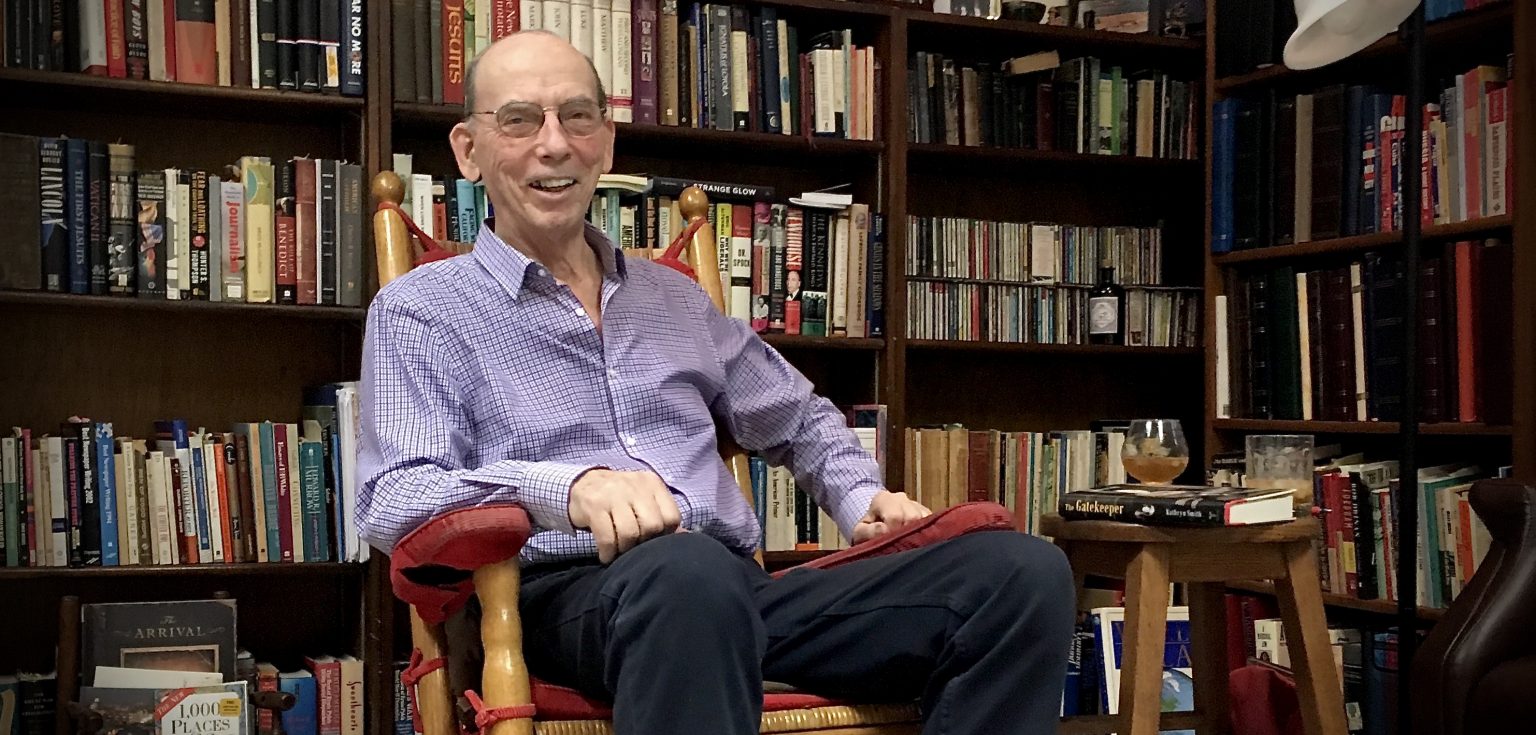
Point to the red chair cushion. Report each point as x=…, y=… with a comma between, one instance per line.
x=941, y=526
x=433, y=567
x=555, y=702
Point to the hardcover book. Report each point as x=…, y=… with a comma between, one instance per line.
x=1179, y=505
x=184, y=635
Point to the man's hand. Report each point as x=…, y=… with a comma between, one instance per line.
x=622, y=509
x=888, y=511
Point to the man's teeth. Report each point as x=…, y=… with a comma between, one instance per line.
x=553, y=184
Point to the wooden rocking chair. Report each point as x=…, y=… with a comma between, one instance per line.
x=475, y=551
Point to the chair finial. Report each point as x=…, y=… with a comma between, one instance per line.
x=693, y=203
x=388, y=187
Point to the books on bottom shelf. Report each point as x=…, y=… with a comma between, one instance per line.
x=1093, y=665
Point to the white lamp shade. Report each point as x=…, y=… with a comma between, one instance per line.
x=1330, y=30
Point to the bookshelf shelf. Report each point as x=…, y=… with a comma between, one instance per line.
x=306, y=569
x=131, y=303
x=1077, y=39
x=443, y=116
x=802, y=342
x=1468, y=25
x=1357, y=427
x=1377, y=607
x=942, y=152
x=76, y=89
x=1374, y=241
x=1050, y=349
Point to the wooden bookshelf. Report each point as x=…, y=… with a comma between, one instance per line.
x=276, y=571
x=803, y=342
x=82, y=90
x=1375, y=241
x=1385, y=608
x=943, y=152
x=1032, y=348
x=1466, y=27
x=99, y=305
x=1075, y=40
x=1355, y=427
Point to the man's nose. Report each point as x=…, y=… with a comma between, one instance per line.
x=551, y=139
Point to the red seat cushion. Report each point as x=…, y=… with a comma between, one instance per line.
x=555, y=702
x=941, y=526
x=433, y=567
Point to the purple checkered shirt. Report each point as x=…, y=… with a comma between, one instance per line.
x=484, y=381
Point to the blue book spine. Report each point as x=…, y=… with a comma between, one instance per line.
x=106, y=483
x=301, y=719
x=200, y=498
x=317, y=546
x=875, y=283
x=758, y=468
x=78, y=214
x=1222, y=167
x=464, y=195
x=269, y=493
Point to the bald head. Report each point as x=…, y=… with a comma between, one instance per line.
x=534, y=43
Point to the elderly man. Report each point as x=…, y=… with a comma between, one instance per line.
x=545, y=368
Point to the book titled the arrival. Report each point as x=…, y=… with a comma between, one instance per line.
x=1179, y=505
x=182, y=635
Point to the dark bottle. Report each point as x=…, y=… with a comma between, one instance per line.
x=1106, y=310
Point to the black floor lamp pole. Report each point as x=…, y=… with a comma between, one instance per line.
x=1408, y=483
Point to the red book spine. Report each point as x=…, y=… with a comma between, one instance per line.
x=169, y=17
x=117, y=42
x=196, y=42
x=285, y=498
x=453, y=51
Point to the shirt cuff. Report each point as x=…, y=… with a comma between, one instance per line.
x=855, y=504
x=546, y=493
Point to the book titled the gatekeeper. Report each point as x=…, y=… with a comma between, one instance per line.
x=1179, y=505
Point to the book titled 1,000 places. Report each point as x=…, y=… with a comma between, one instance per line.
x=1179, y=505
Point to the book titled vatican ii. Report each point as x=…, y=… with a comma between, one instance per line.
x=1179, y=505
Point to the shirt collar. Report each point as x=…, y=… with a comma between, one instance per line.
x=512, y=269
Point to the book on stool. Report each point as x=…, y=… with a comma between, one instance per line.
x=1179, y=505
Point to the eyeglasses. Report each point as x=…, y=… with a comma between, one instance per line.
x=579, y=118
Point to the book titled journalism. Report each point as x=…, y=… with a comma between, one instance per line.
x=1179, y=505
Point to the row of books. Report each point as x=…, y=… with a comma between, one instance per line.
x=1026, y=471
x=1360, y=498
x=304, y=45
x=259, y=232
x=1260, y=29
x=703, y=65
x=1046, y=314
x=1327, y=344
x=1365, y=659
x=261, y=492
x=1032, y=252
x=789, y=516
x=1080, y=105
x=1292, y=169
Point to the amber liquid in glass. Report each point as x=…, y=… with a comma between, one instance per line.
x=1154, y=470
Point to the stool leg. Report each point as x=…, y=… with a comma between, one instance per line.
x=1306, y=633
x=505, y=680
x=1146, y=634
x=432, y=697
x=1208, y=627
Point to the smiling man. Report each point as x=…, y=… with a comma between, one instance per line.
x=546, y=369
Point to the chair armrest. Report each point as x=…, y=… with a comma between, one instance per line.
x=1491, y=621
x=941, y=526
x=433, y=567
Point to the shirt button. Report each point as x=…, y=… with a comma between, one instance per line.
x=629, y=441
x=580, y=311
x=543, y=272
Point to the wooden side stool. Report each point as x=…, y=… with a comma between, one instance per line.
x=1149, y=558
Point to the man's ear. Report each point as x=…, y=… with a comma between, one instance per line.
x=462, y=139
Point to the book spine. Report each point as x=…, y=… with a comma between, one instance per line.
x=1205, y=512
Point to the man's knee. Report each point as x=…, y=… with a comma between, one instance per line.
x=687, y=572
x=1023, y=567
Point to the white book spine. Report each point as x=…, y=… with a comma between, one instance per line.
x=621, y=94
x=602, y=42
x=93, y=37
x=232, y=261
x=557, y=18
x=1223, y=364
x=582, y=36
x=532, y=14
x=216, y=510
